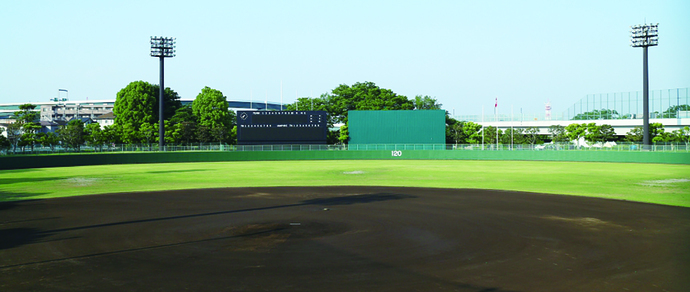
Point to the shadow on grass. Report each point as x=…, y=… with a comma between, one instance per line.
x=7, y=198
x=7, y=181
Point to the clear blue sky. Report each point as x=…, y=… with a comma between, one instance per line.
x=464, y=53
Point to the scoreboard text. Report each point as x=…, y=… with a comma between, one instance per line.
x=281, y=127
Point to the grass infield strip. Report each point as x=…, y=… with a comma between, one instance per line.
x=652, y=183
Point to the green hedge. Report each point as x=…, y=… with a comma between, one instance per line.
x=38, y=161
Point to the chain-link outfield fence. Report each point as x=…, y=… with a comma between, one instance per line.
x=659, y=147
x=663, y=104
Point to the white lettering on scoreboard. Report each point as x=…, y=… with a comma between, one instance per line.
x=396, y=153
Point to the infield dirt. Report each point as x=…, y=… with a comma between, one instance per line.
x=342, y=239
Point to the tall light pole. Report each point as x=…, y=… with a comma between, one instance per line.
x=645, y=36
x=162, y=47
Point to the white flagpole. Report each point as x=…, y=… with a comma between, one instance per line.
x=266, y=100
x=251, y=99
x=511, y=127
x=281, y=95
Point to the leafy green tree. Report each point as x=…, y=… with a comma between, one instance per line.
x=112, y=135
x=137, y=103
x=129, y=133
x=472, y=132
x=557, y=133
x=183, y=114
x=203, y=134
x=426, y=103
x=169, y=129
x=599, y=133
x=662, y=137
x=362, y=96
x=490, y=135
x=148, y=133
x=684, y=135
x=72, y=135
x=607, y=133
x=344, y=134
x=93, y=135
x=531, y=135
x=455, y=132
x=576, y=131
x=513, y=136
x=4, y=142
x=14, y=134
x=592, y=133
x=213, y=116
x=316, y=104
x=220, y=134
x=233, y=136
x=185, y=132
x=30, y=126
x=635, y=135
x=49, y=139
x=655, y=129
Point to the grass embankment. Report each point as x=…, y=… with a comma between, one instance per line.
x=652, y=183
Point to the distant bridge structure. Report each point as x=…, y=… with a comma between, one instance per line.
x=623, y=111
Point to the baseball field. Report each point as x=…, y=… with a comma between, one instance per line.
x=347, y=225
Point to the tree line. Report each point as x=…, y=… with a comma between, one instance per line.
x=208, y=119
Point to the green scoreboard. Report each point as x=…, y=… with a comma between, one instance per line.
x=397, y=127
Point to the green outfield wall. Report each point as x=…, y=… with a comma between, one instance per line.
x=39, y=161
x=397, y=127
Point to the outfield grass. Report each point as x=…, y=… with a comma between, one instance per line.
x=653, y=183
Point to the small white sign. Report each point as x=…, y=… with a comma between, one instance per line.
x=396, y=153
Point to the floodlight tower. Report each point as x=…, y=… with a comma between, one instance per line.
x=162, y=47
x=645, y=36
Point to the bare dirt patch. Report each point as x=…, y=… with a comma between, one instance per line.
x=664, y=182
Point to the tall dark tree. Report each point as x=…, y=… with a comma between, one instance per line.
x=94, y=135
x=14, y=134
x=213, y=115
x=72, y=135
x=137, y=104
x=4, y=143
x=30, y=126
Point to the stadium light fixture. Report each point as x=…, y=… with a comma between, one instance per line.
x=162, y=47
x=645, y=36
